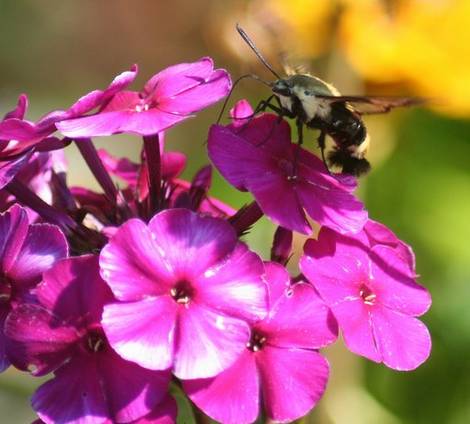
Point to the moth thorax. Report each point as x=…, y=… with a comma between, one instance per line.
x=286, y=102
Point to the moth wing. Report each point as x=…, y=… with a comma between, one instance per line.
x=366, y=105
x=293, y=65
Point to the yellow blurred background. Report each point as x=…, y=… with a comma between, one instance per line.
x=55, y=51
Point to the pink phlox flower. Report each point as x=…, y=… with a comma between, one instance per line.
x=169, y=97
x=26, y=251
x=186, y=291
x=61, y=333
x=257, y=155
x=27, y=134
x=370, y=287
x=20, y=137
x=280, y=366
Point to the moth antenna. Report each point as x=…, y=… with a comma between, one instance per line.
x=250, y=43
x=255, y=77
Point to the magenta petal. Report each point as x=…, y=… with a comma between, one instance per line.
x=20, y=110
x=38, y=341
x=131, y=391
x=378, y=233
x=354, y=319
x=9, y=169
x=403, y=341
x=278, y=200
x=173, y=164
x=120, y=167
x=13, y=231
x=228, y=150
x=74, y=395
x=178, y=78
x=278, y=282
x=232, y=397
x=98, y=97
x=143, y=332
x=191, y=243
x=292, y=381
x=43, y=246
x=123, y=101
x=336, y=278
x=235, y=287
x=331, y=205
x=300, y=319
x=20, y=130
x=147, y=122
x=133, y=265
x=4, y=361
x=265, y=133
x=392, y=285
x=192, y=100
x=88, y=102
x=164, y=413
x=71, y=279
x=101, y=124
x=207, y=343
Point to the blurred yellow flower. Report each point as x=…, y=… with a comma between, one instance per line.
x=307, y=24
x=424, y=44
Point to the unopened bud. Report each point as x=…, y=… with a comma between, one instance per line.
x=282, y=246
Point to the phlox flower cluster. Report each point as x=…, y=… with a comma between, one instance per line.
x=126, y=296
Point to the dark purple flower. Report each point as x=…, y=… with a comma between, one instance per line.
x=187, y=289
x=36, y=174
x=172, y=165
x=169, y=97
x=257, y=155
x=370, y=289
x=62, y=333
x=194, y=195
x=9, y=168
x=281, y=366
x=26, y=251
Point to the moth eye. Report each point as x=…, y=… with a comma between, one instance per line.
x=307, y=93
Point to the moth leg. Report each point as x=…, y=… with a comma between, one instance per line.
x=322, y=145
x=300, y=139
x=280, y=114
x=260, y=107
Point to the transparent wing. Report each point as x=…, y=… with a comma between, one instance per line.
x=367, y=105
x=293, y=65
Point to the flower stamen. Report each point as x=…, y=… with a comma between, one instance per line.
x=5, y=290
x=367, y=296
x=182, y=293
x=256, y=342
